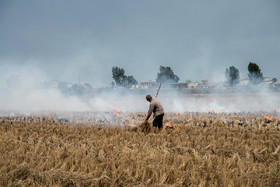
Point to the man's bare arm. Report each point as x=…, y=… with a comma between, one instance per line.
x=150, y=112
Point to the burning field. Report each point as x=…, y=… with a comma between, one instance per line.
x=114, y=148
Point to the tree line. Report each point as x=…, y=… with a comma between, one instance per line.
x=254, y=74
x=166, y=75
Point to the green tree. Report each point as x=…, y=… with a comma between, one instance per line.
x=232, y=75
x=118, y=75
x=130, y=81
x=121, y=79
x=166, y=75
x=255, y=75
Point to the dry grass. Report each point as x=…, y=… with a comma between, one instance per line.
x=206, y=150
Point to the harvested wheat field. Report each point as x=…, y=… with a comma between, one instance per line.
x=206, y=149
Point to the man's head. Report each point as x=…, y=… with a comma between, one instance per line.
x=149, y=98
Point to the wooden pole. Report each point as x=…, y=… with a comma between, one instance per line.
x=158, y=89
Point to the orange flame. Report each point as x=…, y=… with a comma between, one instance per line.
x=268, y=117
x=169, y=125
x=117, y=113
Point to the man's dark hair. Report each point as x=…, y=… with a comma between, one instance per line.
x=148, y=97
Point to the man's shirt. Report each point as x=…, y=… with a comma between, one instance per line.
x=155, y=107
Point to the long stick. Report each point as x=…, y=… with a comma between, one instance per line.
x=158, y=89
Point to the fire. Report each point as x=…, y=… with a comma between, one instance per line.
x=117, y=113
x=169, y=125
x=268, y=117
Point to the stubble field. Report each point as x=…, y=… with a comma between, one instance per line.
x=89, y=149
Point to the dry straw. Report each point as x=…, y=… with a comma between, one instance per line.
x=207, y=149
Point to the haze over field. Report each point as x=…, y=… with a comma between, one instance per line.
x=65, y=40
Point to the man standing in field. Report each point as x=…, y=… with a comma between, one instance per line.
x=157, y=109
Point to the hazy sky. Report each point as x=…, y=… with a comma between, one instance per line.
x=65, y=39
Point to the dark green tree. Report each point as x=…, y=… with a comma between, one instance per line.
x=121, y=79
x=118, y=75
x=274, y=80
x=255, y=75
x=130, y=81
x=232, y=76
x=166, y=75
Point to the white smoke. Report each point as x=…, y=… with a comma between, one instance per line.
x=21, y=90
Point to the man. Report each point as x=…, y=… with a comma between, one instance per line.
x=157, y=109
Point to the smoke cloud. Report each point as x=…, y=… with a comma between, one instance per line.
x=70, y=41
x=67, y=39
x=22, y=90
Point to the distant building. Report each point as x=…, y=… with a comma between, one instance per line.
x=63, y=85
x=267, y=80
x=154, y=84
x=53, y=84
x=183, y=85
x=149, y=84
x=188, y=85
x=192, y=85
x=204, y=83
x=170, y=85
